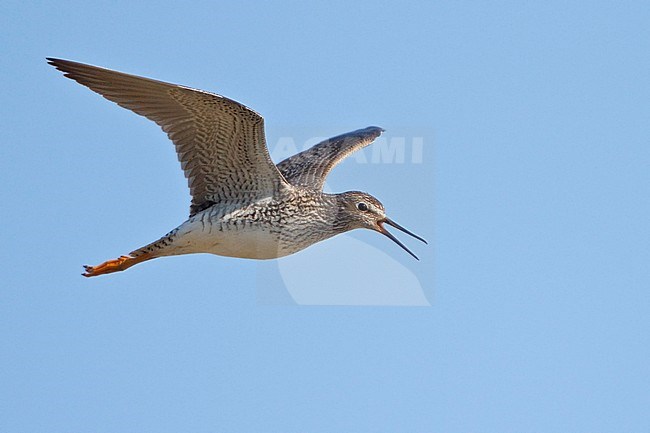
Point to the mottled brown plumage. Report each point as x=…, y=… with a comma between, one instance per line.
x=243, y=205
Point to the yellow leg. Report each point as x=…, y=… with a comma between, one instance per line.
x=115, y=265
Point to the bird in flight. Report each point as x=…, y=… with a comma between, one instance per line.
x=243, y=205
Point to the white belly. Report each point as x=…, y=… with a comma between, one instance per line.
x=251, y=242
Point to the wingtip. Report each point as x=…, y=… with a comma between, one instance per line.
x=62, y=64
x=56, y=63
x=374, y=131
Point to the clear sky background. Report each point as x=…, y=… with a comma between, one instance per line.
x=533, y=190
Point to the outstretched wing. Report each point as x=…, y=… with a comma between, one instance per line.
x=220, y=143
x=310, y=167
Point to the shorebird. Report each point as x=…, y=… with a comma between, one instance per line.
x=243, y=205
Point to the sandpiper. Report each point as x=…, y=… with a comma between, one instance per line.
x=243, y=205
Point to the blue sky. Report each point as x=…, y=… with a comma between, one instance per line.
x=532, y=189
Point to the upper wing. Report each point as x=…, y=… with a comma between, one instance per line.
x=220, y=142
x=310, y=167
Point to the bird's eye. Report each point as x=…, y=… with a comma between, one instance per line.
x=362, y=206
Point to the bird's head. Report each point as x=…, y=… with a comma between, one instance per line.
x=361, y=210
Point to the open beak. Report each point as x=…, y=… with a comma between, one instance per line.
x=385, y=232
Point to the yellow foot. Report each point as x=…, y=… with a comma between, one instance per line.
x=115, y=265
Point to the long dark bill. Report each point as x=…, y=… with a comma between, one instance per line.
x=392, y=223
